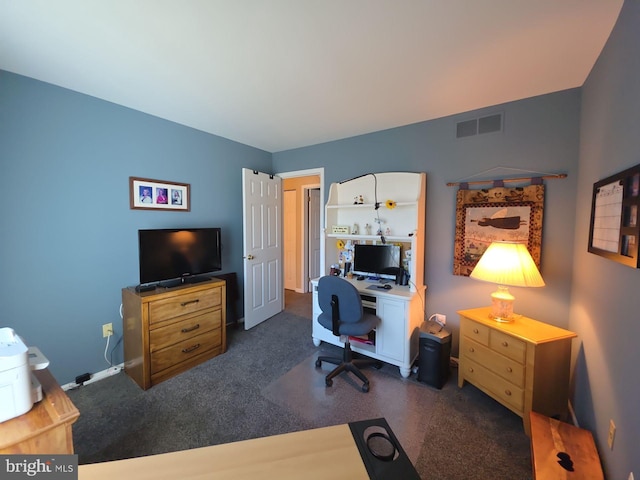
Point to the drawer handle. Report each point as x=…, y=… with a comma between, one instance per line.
x=191, y=348
x=505, y=344
x=475, y=330
x=508, y=392
x=184, y=304
x=471, y=369
x=191, y=329
x=471, y=349
x=509, y=369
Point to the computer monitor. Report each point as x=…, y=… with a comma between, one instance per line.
x=376, y=260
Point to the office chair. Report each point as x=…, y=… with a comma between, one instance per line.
x=342, y=313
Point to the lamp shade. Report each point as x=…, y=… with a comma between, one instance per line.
x=508, y=263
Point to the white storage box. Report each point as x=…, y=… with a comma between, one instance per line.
x=18, y=389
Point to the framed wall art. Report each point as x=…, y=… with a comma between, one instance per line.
x=148, y=194
x=499, y=213
x=614, y=231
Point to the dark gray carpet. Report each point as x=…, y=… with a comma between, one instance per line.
x=266, y=383
x=401, y=402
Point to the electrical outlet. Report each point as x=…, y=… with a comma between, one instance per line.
x=612, y=434
x=441, y=318
x=107, y=330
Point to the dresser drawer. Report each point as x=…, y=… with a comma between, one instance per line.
x=505, y=367
x=508, y=346
x=504, y=391
x=167, y=308
x=184, y=329
x=179, y=352
x=476, y=331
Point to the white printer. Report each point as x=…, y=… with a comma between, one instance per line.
x=19, y=389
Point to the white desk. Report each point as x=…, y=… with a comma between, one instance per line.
x=397, y=336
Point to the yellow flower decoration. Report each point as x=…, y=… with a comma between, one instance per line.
x=390, y=204
x=340, y=244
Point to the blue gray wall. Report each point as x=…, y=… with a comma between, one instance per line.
x=68, y=242
x=540, y=133
x=69, y=239
x=605, y=302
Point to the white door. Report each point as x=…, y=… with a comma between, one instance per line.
x=289, y=260
x=314, y=234
x=262, y=242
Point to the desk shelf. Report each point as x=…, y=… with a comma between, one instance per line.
x=406, y=221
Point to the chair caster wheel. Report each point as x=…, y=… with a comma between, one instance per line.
x=365, y=387
x=328, y=382
x=318, y=363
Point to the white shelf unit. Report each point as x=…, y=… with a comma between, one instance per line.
x=406, y=221
x=400, y=309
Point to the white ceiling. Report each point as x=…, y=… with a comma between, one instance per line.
x=280, y=74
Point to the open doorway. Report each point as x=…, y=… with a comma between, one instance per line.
x=303, y=242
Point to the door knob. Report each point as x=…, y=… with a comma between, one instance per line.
x=249, y=257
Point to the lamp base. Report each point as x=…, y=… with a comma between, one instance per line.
x=502, y=305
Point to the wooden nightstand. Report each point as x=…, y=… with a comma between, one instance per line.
x=46, y=428
x=524, y=364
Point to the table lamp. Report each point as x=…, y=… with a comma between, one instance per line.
x=507, y=264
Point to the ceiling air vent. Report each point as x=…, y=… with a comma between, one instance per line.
x=478, y=126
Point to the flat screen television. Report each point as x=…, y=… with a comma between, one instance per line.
x=377, y=260
x=168, y=254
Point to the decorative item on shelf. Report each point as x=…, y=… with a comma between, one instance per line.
x=340, y=244
x=367, y=229
x=355, y=230
x=379, y=222
x=358, y=200
x=387, y=231
x=507, y=264
x=390, y=204
x=344, y=229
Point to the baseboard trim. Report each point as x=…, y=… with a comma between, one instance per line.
x=572, y=412
x=96, y=377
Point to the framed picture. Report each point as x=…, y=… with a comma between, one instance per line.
x=148, y=194
x=614, y=229
x=499, y=213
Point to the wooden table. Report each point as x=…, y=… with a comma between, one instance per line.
x=46, y=428
x=322, y=453
x=550, y=437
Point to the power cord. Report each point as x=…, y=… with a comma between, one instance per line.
x=424, y=311
x=376, y=204
x=107, y=347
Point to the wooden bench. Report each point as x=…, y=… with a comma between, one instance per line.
x=561, y=451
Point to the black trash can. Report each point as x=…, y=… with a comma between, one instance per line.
x=435, y=351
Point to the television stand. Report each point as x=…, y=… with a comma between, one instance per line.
x=169, y=331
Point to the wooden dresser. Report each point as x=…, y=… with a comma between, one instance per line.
x=46, y=428
x=169, y=330
x=523, y=364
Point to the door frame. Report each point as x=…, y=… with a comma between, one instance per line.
x=305, y=173
x=306, y=281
